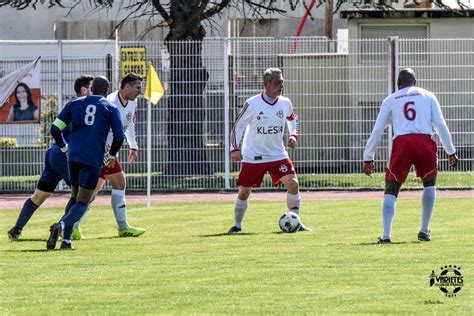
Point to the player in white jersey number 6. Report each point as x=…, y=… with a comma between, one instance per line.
x=413, y=112
x=262, y=120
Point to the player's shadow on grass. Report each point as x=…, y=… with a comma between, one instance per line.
x=226, y=234
x=104, y=237
x=28, y=250
x=387, y=244
x=29, y=239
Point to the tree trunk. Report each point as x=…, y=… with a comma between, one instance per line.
x=328, y=18
x=186, y=115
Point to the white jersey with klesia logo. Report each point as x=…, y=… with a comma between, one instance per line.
x=127, y=114
x=263, y=126
x=411, y=110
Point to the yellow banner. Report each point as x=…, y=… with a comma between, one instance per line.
x=133, y=59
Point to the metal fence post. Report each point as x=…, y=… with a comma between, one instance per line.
x=60, y=75
x=392, y=70
x=60, y=90
x=109, y=67
x=226, y=115
x=117, y=61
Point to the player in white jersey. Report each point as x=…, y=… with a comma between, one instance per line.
x=262, y=122
x=413, y=112
x=125, y=100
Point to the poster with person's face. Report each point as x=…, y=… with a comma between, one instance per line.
x=23, y=104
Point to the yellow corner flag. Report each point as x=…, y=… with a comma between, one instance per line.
x=154, y=90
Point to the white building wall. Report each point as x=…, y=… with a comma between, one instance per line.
x=81, y=23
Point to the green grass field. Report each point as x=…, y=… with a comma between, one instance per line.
x=185, y=264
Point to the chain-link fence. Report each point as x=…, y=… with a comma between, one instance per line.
x=336, y=89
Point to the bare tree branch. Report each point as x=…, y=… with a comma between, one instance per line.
x=216, y=9
x=198, y=13
x=440, y=4
x=53, y=3
x=151, y=28
x=18, y=4
x=338, y=5
x=161, y=10
x=263, y=5
x=462, y=5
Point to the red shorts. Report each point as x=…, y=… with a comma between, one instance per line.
x=111, y=170
x=251, y=174
x=412, y=149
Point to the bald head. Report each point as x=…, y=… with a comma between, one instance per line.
x=100, y=86
x=406, y=78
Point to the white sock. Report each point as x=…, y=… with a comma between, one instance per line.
x=293, y=202
x=239, y=211
x=119, y=207
x=427, y=204
x=388, y=212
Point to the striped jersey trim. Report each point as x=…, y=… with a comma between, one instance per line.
x=234, y=140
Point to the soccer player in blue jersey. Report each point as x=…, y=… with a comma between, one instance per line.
x=55, y=169
x=91, y=117
x=126, y=101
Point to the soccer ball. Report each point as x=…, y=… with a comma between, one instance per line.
x=290, y=222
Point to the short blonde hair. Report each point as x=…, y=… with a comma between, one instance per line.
x=270, y=73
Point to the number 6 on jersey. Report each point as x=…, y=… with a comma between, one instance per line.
x=410, y=113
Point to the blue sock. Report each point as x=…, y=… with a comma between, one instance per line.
x=25, y=214
x=427, y=204
x=74, y=214
x=388, y=212
x=67, y=231
x=69, y=204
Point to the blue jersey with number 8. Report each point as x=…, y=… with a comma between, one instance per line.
x=91, y=118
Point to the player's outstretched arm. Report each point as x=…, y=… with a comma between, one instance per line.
x=292, y=123
x=380, y=123
x=440, y=126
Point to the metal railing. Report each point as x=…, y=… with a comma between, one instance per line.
x=336, y=94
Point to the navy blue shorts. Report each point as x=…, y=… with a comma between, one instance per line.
x=55, y=169
x=83, y=175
